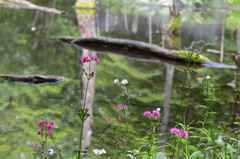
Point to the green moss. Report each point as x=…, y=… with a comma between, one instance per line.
x=175, y=41
x=191, y=56
x=196, y=68
x=85, y=8
x=88, y=12
x=89, y=4
x=176, y=24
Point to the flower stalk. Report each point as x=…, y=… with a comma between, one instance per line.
x=83, y=111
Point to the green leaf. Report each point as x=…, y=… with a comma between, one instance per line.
x=230, y=149
x=193, y=148
x=195, y=154
x=131, y=156
x=202, y=106
x=160, y=155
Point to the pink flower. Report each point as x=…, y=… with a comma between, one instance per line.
x=50, y=133
x=119, y=106
x=36, y=144
x=92, y=74
x=84, y=59
x=118, y=145
x=91, y=57
x=41, y=129
x=108, y=119
x=123, y=140
x=42, y=122
x=45, y=123
x=175, y=131
x=118, y=118
x=94, y=58
x=38, y=133
x=52, y=123
x=184, y=134
x=147, y=113
x=155, y=114
x=179, y=132
x=50, y=127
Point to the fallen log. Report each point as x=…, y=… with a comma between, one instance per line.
x=142, y=51
x=34, y=79
x=18, y=4
x=218, y=52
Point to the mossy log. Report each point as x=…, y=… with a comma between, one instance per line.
x=142, y=51
x=34, y=79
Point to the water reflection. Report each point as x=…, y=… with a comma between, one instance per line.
x=25, y=52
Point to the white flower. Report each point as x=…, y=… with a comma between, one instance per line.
x=124, y=81
x=116, y=81
x=33, y=28
x=207, y=77
x=50, y=151
x=99, y=152
x=158, y=109
x=103, y=151
x=96, y=151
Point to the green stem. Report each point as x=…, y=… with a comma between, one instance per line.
x=46, y=148
x=213, y=141
x=174, y=144
x=85, y=96
x=80, y=141
x=187, y=149
x=149, y=154
x=58, y=150
x=225, y=149
x=237, y=145
x=177, y=148
x=83, y=119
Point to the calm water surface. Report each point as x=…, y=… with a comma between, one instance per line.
x=29, y=46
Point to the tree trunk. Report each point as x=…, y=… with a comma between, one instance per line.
x=166, y=108
x=171, y=29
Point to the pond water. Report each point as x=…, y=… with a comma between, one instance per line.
x=29, y=46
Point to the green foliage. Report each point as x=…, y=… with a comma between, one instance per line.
x=22, y=105
x=235, y=3
x=232, y=21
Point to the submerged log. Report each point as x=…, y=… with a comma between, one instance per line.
x=142, y=51
x=34, y=79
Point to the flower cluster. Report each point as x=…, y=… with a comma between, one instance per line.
x=89, y=58
x=122, y=82
x=179, y=132
x=207, y=77
x=154, y=113
x=119, y=106
x=36, y=144
x=99, y=152
x=46, y=127
x=121, y=141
